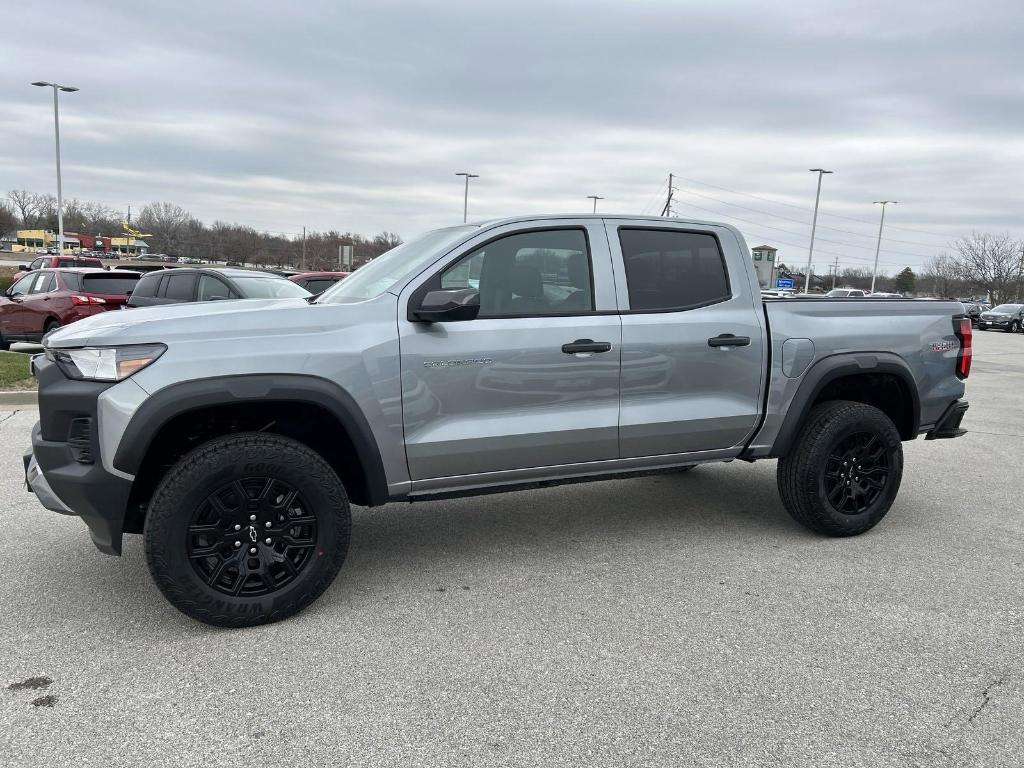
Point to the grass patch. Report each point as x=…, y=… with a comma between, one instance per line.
x=14, y=372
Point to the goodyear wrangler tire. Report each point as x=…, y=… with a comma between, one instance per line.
x=247, y=529
x=844, y=470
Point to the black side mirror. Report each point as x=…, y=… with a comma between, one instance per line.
x=449, y=306
x=24, y=268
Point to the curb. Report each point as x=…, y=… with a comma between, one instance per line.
x=28, y=397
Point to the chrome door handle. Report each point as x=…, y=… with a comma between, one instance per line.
x=586, y=345
x=728, y=340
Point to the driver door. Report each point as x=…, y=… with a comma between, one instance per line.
x=13, y=313
x=507, y=392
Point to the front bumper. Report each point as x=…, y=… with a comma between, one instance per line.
x=1004, y=324
x=64, y=468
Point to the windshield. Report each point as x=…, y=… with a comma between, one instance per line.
x=269, y=288
x=387, y=269
x=1007, y=309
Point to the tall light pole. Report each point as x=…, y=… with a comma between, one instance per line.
x=878, y=247
x=465, y=197
x=56, y=134
x=595, y=198
x=814, y=225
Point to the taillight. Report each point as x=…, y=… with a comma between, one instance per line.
x=962, y=329
x=79, y=300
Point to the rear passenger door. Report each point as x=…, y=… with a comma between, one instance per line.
x=177, y=288
x=693, y=346
x=508, y=392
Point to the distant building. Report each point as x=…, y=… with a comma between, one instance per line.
x=31, y=240
x=764, y=265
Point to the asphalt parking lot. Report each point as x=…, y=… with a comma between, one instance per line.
x=672, y=620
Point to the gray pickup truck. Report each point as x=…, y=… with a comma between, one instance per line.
x=512, y=354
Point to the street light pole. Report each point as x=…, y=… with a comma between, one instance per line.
x=878, y=247
x=465, y=197
x=595, y=198
x=814, y=226
x=56, y=134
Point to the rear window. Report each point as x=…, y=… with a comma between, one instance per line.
x=319, y=285
x=146, y=286
x=110, y=284
x=672, y=270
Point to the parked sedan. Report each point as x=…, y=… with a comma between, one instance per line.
x=185, y=284
x=1008, y=317
x=49, y=298
x=317, y=282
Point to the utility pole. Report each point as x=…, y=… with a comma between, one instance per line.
x=56, y=135
x=303, y=249
x=465, y=195
x=595, y=198
x=835, y=272
x=814, y=225
x=667, y=210
x=878, y=247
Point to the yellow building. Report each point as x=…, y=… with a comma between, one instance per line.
x=31, y=240
x=128, y=245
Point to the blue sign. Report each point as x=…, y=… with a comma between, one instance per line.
x=783, y=282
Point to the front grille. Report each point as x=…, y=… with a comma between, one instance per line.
x=80, y=439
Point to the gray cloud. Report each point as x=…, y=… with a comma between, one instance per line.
x=355, y=115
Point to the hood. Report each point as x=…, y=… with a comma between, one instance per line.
x=216, y=319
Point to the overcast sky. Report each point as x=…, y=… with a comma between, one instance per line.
x=356, y=115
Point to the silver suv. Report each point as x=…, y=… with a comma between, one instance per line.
x=517, y=353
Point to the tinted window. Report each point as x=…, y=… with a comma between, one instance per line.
x=111, y=284
x=146, y=287
x=212, y=288
x=318, y=285
x=531, y=273
x=672, y=270
x=179, y=287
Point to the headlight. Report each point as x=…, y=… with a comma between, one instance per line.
x=105, y=363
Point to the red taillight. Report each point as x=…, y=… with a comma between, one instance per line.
x=962, y=329
x=79, y=300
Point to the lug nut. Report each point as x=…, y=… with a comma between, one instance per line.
x=252, y=517
x=252, y=550
x=267, y=541
x=238, y=543
x=238, y=527
x=267, y=524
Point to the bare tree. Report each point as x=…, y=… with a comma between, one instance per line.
x=169, y=224
x=8, y=220
x=993, y=262
x=941, y=276
x=25, y=206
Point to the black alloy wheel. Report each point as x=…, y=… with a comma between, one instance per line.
x=251, y=537
x=856, y=473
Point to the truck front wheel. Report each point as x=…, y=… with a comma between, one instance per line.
x=247, y=529
x=844, y=470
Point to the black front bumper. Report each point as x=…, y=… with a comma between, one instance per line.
x=65, y=445
x=948, y=424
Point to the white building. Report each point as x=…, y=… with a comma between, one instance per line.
x=764, y=265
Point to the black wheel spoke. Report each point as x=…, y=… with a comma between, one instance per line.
x=856, y=473
x=254, y=546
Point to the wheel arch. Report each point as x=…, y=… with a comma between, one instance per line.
x=310, y=409
x=881, y=379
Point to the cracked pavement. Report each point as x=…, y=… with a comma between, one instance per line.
x=670, y=620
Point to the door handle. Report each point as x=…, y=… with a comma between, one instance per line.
x=586, y=345
x=728, y=340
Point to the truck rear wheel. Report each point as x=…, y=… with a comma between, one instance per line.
x=844, y=470
x=247, y=529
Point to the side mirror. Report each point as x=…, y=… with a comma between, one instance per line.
x=24, y=268
x=449, y=306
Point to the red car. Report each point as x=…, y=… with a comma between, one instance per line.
x=49, y=298
x=58, y=262
x=317, y=282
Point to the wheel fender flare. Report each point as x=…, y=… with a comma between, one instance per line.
x=177, y=399
x=827, y=370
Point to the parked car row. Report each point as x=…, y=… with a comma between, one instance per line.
x=55, y=295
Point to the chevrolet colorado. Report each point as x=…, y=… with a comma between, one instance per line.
x=510, y=354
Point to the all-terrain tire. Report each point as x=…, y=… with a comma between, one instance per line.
x=815, y=464
x=245, y=460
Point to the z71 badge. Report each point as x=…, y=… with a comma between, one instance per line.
x=943, y=346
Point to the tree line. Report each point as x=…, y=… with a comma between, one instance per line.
x=172, y=230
